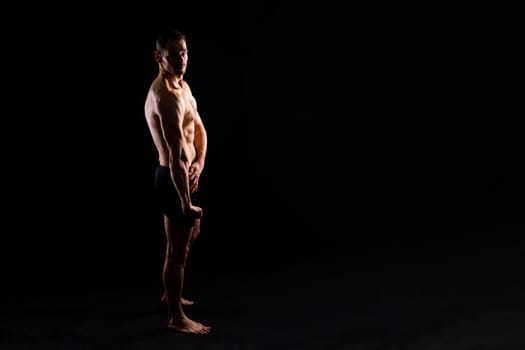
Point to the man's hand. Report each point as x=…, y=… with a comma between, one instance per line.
x=194, y=212
x=195, y=173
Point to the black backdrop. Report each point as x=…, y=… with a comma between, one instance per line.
x=333, y=129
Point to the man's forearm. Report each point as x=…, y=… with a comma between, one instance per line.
x=179, y=176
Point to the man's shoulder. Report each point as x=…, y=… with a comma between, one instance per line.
x=185, y=85
x=159, y=89
x=158, y=86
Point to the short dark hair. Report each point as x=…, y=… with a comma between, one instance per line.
x=166, y=35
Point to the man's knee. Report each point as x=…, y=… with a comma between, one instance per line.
x=177, y=258
x=178, y=253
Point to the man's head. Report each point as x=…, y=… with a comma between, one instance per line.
x=171, y=52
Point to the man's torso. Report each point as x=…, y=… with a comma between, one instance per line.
x=188, y=112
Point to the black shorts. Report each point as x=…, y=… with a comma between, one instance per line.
x=168, y=198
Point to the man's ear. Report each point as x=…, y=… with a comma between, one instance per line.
x=157, y=56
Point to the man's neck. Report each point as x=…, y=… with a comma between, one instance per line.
x=175, y=81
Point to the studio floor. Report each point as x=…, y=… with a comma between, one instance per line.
x=473, y=299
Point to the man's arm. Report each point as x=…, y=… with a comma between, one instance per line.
x=170, y=112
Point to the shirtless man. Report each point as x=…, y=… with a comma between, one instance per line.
x=180, y=138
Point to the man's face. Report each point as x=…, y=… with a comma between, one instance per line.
x=174, y=58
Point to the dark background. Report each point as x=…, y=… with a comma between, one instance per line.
x=357, y=128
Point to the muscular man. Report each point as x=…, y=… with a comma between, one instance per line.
x=180, y=138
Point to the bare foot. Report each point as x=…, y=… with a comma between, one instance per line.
x=185, y=325
x=183, y=301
